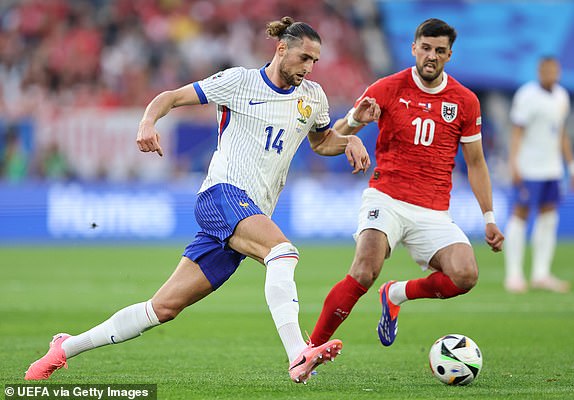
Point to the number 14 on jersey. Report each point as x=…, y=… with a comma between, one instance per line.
x=277, y=144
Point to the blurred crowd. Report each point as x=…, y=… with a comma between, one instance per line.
x=65, y=54
x=62, y=55
x=120, y=53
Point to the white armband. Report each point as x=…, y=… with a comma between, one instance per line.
x=489, y=217
x=352, y=122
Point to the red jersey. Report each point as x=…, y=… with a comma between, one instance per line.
x=419, y=133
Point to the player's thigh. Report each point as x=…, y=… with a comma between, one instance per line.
x=186, y=285
x=550, y=196
x=429, y=232
x=382, y=213
x=255, y=236
x=370, y=253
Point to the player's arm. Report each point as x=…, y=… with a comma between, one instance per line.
x=365, y=112
x=148, y=137
x=331, y=143
x=567, y=154
x=479, y=179
x=516, y=135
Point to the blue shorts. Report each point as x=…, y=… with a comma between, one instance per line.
x=218, y=210
x=533, y=194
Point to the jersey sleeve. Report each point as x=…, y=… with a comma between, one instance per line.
x=472, y=124
x=220, y=87
x=323, y=121
x=566, y=101
x=520, y=109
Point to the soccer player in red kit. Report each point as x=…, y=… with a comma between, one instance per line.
x=425, y=115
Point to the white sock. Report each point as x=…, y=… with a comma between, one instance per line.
x=398, y=293
x=281, y=296
x=543, y=244
x=514, y=247
x=128, y=323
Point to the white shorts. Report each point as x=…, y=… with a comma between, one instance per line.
x=421, y=230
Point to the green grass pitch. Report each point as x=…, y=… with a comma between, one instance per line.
x=226, y=347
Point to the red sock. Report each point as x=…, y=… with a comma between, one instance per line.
x=435, y=286
x=337, y=306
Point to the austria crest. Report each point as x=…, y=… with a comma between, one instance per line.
x=449, y=111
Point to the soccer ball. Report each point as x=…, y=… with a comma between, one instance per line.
x=455, y=359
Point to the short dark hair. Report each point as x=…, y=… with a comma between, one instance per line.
x=548, y=57
x=434, y=27
x=287, y=29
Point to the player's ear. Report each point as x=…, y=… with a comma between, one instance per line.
x=281, y=48
x=413, y=45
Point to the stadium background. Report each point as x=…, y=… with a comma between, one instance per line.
x=75, y=77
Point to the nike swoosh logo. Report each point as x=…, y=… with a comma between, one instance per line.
x=303, y=361
x=254, y=103
x=112, y=339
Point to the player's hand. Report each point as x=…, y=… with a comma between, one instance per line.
x=367, y=111
x=494, y=237
x=516, y=178
x=148, y=139
x=357, y=155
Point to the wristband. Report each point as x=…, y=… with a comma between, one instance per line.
x=571, y=168
x=352, y=122
x=489, y=217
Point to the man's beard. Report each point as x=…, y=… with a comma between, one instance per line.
x=426, y=77
x=288, y=78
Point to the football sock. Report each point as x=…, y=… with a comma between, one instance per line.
x=398, y=293
x=514, y=245
x=543, y=244
x=435, y=286
x=337, y=306
x=128, y=323
x=281, y=296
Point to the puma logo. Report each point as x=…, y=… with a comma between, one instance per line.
x=406, y=102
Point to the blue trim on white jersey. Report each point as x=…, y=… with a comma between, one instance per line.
x=200, y=94
x=272, y=85
x=324, y=128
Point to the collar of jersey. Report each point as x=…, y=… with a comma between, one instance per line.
x=271, y=84
x=422, y=87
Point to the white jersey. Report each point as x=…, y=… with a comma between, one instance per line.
x=260, y=128
x=542, y=114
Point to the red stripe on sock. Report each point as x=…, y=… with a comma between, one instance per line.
x=435, y=286
x=336, y=308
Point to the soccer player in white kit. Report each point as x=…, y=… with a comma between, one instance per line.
x=538, y=146
x=264, y=115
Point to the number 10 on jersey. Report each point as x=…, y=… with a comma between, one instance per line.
x=424, y=131
x=277, y=144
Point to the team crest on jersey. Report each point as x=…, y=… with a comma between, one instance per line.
x=449, y=111
x=305, y=112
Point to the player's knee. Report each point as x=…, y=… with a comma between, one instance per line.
x=466, y=278
x=364, y=273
